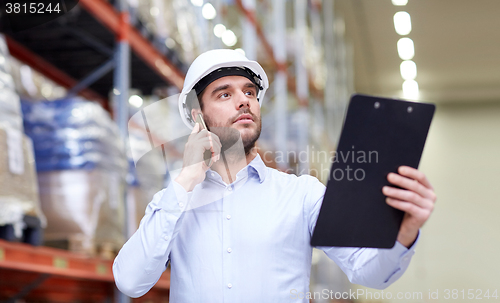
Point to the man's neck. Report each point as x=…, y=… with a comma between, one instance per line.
x=232, y=161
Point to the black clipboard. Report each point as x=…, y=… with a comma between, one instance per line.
x=388, y=133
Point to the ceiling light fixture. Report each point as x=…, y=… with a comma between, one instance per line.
x=399, y=2
x=241, y=51
x=402, y=23
x=229, y=38
x=135, y=101
x=197, y=2
x=408, y=70
x=154, y=11
x=406, y=48
x=219, y=29
x=208, y=11
x=410, y=89
x=170, y=43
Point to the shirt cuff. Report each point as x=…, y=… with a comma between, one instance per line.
x=400, y=256
x=400, y=253
x=175, y=198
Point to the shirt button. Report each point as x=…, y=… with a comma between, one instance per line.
x=229, y=250
x=181, y=205
x=213, y=175
x=229, y=285
x=230, y=188
x=228, y=217
x=165, y=238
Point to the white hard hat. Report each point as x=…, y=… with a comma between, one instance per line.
x=213, y=60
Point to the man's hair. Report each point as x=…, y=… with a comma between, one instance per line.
x=194, y=101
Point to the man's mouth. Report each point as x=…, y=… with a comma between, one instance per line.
x=245, y=118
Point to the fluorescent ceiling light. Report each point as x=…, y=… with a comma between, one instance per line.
x=170, y=43
x=197, y=2
x=229, y=38
x=241, y=51
x=135, y=101
x=208, y=11
x=408, y=70
x=406, y=49
x=154, y=11
x=400, y=2
x=410, y=89
x=402, y=23
x=219, y=29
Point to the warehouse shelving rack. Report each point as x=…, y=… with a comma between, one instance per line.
x=44, y=274
x=78, y=51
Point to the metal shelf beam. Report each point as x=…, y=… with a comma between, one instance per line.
x=22, y=264
x=26, y=56
x=109, y=17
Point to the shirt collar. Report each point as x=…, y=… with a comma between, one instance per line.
x=258, y=167
x=255, y=167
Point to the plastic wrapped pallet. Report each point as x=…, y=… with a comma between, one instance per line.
x=145, y=178
x=81, y=166
x=109, y=236
x=18, y=182
x=73, y=134
x=83, y=207
x=10, y=108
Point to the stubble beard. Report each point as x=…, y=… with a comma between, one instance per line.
x=229, y=136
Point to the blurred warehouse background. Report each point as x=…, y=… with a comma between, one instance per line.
x=89, y=127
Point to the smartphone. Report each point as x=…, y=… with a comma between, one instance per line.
x=207, y=155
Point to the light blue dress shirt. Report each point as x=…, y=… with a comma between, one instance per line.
x=243, y=242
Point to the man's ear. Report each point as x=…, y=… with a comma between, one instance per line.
x=194, y=113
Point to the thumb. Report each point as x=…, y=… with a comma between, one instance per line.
x=195, y=130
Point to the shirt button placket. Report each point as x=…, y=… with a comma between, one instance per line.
x=226, y=243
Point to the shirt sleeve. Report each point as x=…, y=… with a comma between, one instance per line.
x=143, y=258
x=371, y=267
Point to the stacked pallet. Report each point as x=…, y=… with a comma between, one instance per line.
x=20, y=215
x=81, y=167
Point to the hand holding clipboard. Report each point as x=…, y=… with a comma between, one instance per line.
x=390, y=133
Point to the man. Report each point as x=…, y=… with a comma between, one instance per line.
x=237, y=231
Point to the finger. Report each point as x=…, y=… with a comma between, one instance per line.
x=195, y=138
x=411, y=185
x=201, y=144
x=212, y=150
x=216, y=139
x=196, y=129
x=202, y=134
x=205, y=143
x=409, y=208
x=416, y=175
x=407, y=196
x=217, y=145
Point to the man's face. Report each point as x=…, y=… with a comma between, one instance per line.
x=231, y=102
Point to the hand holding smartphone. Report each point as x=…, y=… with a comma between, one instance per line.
x=207, y=155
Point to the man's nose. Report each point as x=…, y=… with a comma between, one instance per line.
x=242, y=100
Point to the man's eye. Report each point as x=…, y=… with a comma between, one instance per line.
x=224, y=95
x=250, y=93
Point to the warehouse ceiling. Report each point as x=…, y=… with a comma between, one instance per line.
x=457, y=47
